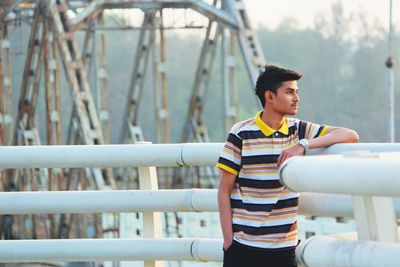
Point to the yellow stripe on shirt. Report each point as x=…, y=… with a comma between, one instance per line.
x=226, y=168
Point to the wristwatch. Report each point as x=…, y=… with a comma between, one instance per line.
x=304, y=143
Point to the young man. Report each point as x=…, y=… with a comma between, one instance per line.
x=257, y=213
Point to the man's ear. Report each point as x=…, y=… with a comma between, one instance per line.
x=269, y=96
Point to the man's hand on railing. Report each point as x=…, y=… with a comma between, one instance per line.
x=296, y=150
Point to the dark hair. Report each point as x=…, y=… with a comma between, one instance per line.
x=272, y=78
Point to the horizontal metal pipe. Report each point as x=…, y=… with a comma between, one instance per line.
x=41, y=202
x=329, y=205
x=138, y=28
x=159, y=155
x=333, y=252
x=138, y=249
x=344, y=175
x=146, y=4
x=359, y=147
x=181, y=200
x=314, y=252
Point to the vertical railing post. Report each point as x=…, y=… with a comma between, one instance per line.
x=152, y=227
x=375, y=216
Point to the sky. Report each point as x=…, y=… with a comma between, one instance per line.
x=271, y=12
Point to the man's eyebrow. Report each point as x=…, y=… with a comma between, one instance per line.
x=292, y=89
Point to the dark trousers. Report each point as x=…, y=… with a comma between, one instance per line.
x=239, y=255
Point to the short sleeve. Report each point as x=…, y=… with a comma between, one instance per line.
x=309, y=130
x=230, y=158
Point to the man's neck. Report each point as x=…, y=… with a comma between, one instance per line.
x=272, y=119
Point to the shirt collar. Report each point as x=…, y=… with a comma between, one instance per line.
x=266, y=130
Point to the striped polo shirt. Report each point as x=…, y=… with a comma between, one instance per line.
x=263, y=211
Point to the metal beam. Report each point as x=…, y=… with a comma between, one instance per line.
x=131, y=131
x=31, y=78
x=90, y=126
x=101, y=73
x=366, y=177
x=161, y=83
x=90, y=11
x=7, y=120
x=9, y=6
x=216, y=14
x=137, y=249
x=84, y=111
x=84, y=108
x=81, y=156
x=231, y=102
x=325, y=251
x=146, y=5
x=53, y=110
x=202, y=7
x=134, y=28
x=25, y=132
x=159, y=155
x=194, y=127
x=369, y=213
x=376, y=175
x=354, y=149
x=52, y=86
x=3, y=98
x=248, y=41
x=180, y=200
x=192, y=200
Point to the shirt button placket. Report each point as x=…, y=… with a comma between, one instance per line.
x=277, y=149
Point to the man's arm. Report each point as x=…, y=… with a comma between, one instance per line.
x=227, y=181
x=333, y=135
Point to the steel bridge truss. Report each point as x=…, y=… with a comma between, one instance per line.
x=53, y=43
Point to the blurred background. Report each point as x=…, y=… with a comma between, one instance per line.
x=340, y=47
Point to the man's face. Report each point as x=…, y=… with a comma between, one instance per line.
x=286, y=99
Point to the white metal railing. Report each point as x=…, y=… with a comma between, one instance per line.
x=138, y=155
x=359, y=148
x=371, y=179
x=158, y=155
x=165, y=200
x=375, y=175
x=193, y=200
x=335, y=252
x=142, y=156
x=137, y=249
